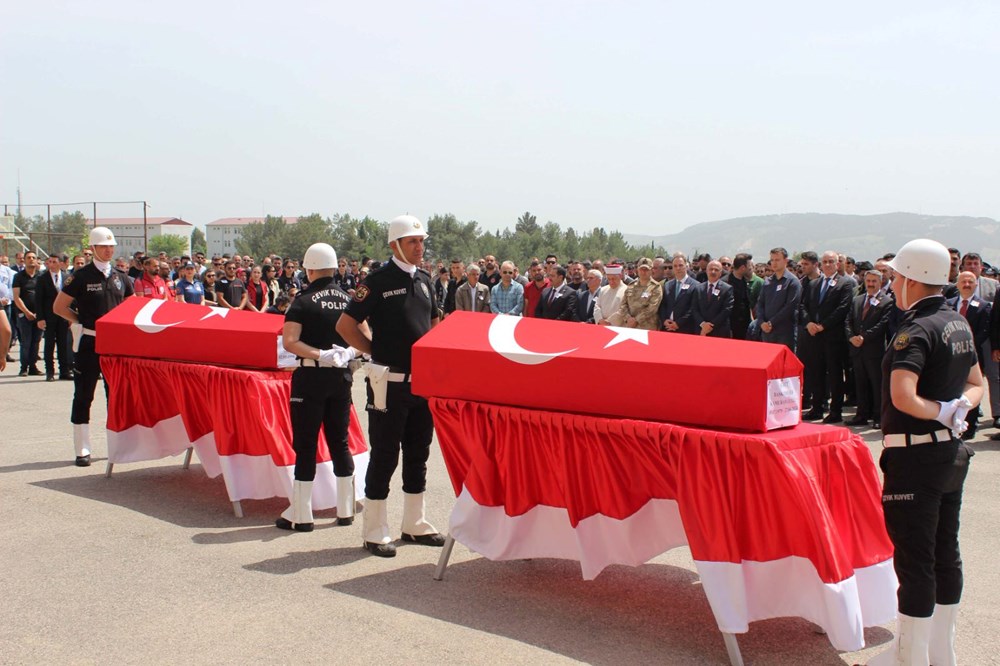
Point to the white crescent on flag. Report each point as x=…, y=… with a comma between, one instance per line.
x=144, y=318
x=501, y=337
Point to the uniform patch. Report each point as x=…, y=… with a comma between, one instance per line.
x=361, y=293
x=69, y=278
x=901, y=342
x=427, y=293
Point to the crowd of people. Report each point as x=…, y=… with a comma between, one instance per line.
x=833, y=311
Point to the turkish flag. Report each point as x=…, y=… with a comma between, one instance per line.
x=158, y=329
x=569, y=367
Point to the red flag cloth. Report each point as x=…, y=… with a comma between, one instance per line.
x=493, y=358
x=160, y=408
x=799, y=507
x=158, y=329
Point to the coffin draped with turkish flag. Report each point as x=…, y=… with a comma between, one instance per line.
x=221, y=387
x=562, y=366
x=167, y=330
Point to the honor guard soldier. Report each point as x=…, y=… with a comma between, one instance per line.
x=321, y=388
x=930, y=380
x=397, y=300
x=97, y=288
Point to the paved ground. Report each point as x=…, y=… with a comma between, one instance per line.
x=151, y=566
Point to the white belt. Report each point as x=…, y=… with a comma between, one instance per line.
x=88, y=331
x=398, y=376
x=903, y=439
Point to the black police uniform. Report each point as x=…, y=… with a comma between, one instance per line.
x=399, y=309
x=95, y=296
x=320, y=396
x=922, y=491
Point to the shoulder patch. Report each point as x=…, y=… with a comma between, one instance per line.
x=361, y=293
x=69, y=278
x=901, y=342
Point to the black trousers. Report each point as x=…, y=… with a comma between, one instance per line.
x=921, y=500
x=405, y=424
x=823, y=358
x=321, y=397
x=868, y=384
x=56, y=339
x=88, y=370
x=30, y=337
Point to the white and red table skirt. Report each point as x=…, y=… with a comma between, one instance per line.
x=784, y=523
x=236, y=420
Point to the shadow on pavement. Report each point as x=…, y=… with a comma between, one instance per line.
x=34, y=466
x=261, y=533
x=621, y=617
x=186, y=498
x=311, y=559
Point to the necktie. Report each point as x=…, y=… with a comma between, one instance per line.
x=965, y=307
x=711, y=289
x=864, y=310
x=677, y=288
x=552, y=295
x=823, y=288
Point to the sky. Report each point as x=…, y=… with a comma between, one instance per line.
x=643, y=117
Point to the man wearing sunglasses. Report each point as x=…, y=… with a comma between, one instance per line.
x=508, y=296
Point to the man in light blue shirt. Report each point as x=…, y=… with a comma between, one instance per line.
x=507, y=296
x=6, y=297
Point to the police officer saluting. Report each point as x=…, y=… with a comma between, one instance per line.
x=930, y=381
x=397, y=300
x=97, y=288
x=321, y=388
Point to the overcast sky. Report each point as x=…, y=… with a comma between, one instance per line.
x=640, y=116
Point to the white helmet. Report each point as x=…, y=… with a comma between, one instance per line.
x=102, y=236
x=319, y=256
x=924, y=260
x=406, y=225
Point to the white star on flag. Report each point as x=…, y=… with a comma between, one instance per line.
x=622, y=334
x=216, y=312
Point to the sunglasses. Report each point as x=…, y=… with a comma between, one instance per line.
x=507, y=272
x=550, y=262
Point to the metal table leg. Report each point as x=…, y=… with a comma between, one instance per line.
x=238, y=509
x=733, y=648
x=445, y=556
x=187, y=457
x=107, y=470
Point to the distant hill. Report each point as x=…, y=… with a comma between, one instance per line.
x=861, y=236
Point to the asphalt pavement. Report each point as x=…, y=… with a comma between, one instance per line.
x=151, y=566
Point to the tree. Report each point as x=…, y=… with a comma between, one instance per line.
x=356, y=238
x=198, y=241
x=306, y=231
x=262, y=238
x=527, y=224
x=173, y=245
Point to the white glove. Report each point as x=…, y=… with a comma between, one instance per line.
x=952, y=414
x=336, y=357
x=76, y=330
x=960, y=425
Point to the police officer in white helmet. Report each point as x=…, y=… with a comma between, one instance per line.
x=397, y=301
x=321, y=388
x=931, y=379
x=97, y=288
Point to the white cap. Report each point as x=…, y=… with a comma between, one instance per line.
x=406, y=225
x=613, y=269
x=924, y=260
x=319, y=256
x=102, y=236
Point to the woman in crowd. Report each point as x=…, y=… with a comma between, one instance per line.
x=188, y=289
x=258, y=294
x=208, y=284
x=268, y=276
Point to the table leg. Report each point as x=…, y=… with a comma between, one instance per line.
x=107, y=470
x=733, y=648
x=445, y=556
x=238, y=509
x=187, y=457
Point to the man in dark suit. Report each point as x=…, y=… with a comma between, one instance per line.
x=713, y=304
x=978, y=313
x=778, y=302
x=54, y=327
x=822, y=339
x=740, y=318
x=867, y=327
x=677, y=304
x=586, y=298
x=559, y=300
